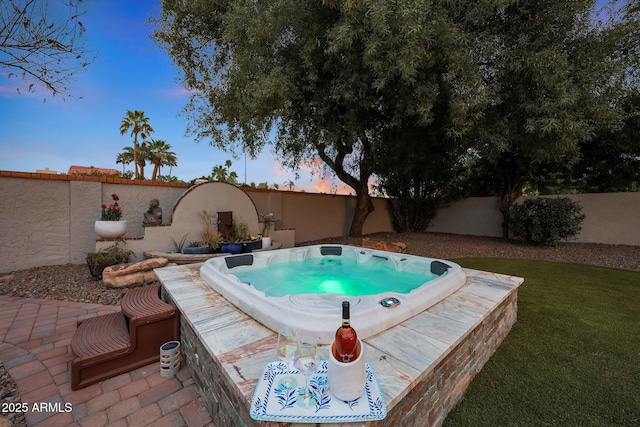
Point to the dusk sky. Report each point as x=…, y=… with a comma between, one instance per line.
x=130, y=72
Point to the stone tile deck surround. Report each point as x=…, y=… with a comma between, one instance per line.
x=423, y=364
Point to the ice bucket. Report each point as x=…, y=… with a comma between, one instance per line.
x=346, y=380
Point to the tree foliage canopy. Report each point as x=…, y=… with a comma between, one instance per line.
x=377, y=87
x=556, y=78
x=322, y=79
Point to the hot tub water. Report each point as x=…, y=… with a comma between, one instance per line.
x=331, y=275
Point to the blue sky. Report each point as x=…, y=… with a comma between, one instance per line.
x=130, y=72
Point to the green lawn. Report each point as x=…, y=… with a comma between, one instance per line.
x=571, y=359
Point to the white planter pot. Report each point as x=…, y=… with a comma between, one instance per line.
x=110, y=229
x=266, y=242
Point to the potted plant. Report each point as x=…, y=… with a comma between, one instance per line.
x=211, y=236
x=241, y=235
x=233, y=245
x=98, y=261
x=267, y=223
x=196, y=247
x=240, y=231
x=178, y=246
x=214, y=240
x=111, y=225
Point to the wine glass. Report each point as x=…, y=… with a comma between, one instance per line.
x=306, y=362
x=287, y=344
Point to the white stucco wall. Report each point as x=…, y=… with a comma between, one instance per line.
x=476, y=216
x=43, y=205
x=49, y=220
x=184, y=220
x=611, y=218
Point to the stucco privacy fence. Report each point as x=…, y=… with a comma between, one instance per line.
x=48, y=219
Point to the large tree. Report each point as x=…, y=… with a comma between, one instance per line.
x=138, y=124
x=40, y=43
x=219, y=173
x=611, y=160
x=417, y=165
x=554, y=76
x=322, y=79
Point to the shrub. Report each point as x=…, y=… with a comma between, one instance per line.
x=98, y=261
x=544, y=221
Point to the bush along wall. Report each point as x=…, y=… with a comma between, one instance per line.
x=546, y=221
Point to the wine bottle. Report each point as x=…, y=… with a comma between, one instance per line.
x=346, y=347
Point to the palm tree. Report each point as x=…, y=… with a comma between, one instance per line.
x=139, y=125
x=159, y=155
x=289, y=183
x=219, y=173
x=125, y=158
x=171, y=160
x=143, y=155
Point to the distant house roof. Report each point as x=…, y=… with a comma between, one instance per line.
x=90, y=170
x=46, y=170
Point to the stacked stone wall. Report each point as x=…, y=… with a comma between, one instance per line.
x=427, y=404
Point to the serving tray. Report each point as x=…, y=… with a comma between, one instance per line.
x=277, y=397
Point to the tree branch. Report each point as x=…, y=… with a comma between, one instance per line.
x=45, y=51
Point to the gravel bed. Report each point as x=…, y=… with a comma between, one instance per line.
x=448, y=246
x=74, y=283
x=70, y=282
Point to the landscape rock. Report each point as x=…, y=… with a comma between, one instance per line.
x=384, y=246
x=132, y=274
x=133, y=279
x=134, y=267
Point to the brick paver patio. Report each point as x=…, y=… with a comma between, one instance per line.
x=34, y=347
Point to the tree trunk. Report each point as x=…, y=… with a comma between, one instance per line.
x=364, y=206
x=510, y=194
x=504, y=210
x=135, y=154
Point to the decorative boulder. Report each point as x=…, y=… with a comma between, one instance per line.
x=384, y=246
x=132, y=274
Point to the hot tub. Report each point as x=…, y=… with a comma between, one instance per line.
x=319, y=314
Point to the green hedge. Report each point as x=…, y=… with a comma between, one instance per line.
x=545, y=221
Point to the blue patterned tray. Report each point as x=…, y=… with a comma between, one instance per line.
x=276, y=398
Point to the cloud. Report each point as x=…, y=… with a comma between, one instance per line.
x=6, y=88
x=278, y=170
x=17, y=89
x=176, y=92
x=332, y=186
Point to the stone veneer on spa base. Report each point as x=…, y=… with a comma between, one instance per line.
x=424, y=364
